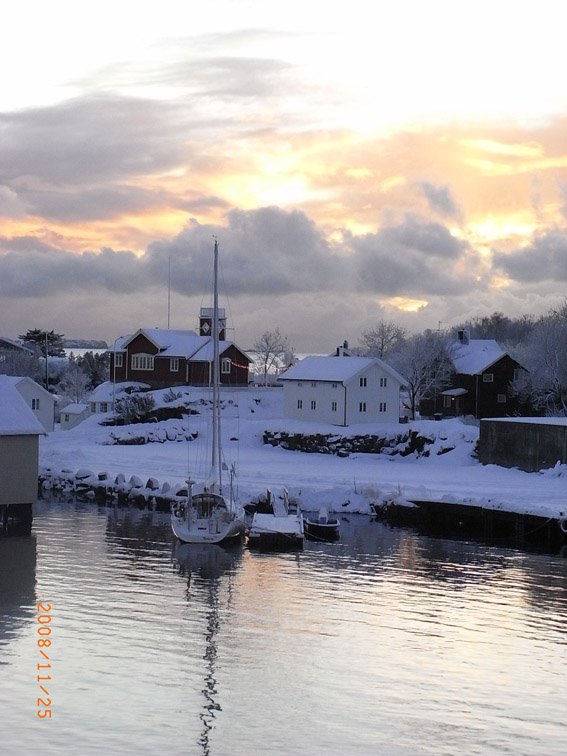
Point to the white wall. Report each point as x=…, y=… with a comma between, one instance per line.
x=324, y=393
x=30, y=390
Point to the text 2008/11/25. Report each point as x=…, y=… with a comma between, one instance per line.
x=44, y=644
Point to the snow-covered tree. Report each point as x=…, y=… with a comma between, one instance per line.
x=544, y=386
x=74, y=382
x=15, y=362
x=424, y=361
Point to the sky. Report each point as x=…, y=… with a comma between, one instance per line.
x=357, y=162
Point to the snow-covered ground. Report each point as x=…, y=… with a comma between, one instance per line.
x=345, y=484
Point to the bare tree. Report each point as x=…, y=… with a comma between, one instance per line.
x=385, y=337
x=272, y=349
x=424, y=361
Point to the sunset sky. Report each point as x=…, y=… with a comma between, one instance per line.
x=356, y=161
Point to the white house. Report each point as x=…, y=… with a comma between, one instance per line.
x=19, y=449
x=342, y=390
x=38, y=399
x=73, y=414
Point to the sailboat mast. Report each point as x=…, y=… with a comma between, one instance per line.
x=215, y=461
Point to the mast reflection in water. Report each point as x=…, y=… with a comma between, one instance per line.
x=203, y=565
x=384, y=642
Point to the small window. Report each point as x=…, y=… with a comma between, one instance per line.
x=299, y=384
x=447, y=400
x=174, y=365
x=313, y=385
x=334, y=385
x=363, y=382
x=383, y=382
x=104, y=407
x=300, y=404
x=93, y=406
x=226, y=365
x=487, y=377
x=313, y=404
x=382, y=406
x=35, y=404
x=66, y=418
x=501, y=398
x=333, y=406
x=362, y=406
x=118, y=359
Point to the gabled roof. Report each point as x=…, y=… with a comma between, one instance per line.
x=335, y=369
x=16, y=418
x=476, y=356
x=15, y=345
x=187, y=344
x=15, y=380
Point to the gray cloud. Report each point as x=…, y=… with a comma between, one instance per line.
x=440, y=199
x=543, y=260
x=415, y=258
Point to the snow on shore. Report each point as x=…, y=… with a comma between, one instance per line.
x=346, y=484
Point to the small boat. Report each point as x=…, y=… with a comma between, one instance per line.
x=323, y=527
x=209, y=516
x=278, y=529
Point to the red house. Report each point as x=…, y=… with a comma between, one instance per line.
x=161, y=357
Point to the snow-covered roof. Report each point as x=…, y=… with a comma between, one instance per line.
x=336, y=369
x=6, y=343
x=476, y=356
x=17, y=379
x=75, y=409
x=170, y=343
x=16, y=418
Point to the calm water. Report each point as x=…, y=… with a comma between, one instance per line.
x=385, y=643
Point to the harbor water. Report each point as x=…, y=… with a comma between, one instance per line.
x=386, y=642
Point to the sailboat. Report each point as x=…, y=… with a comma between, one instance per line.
x=208, y=516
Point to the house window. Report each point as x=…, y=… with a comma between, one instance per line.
x=142, y=362
x=174, y=364
x=300, y=404
x=383, y=382
x=118, y=359
x=104, y=406
x=333, y=406
x=362, y=406
x=299, y=384
x=66, y=418
x=362, y=382
x=335, y=385
x=447, y=401
x=93, y=406
x=487, y=377
x=313, y=385
x=313, y=404
x=501, y=398
x=382, y=406
x=35, y=404
x=226, y=365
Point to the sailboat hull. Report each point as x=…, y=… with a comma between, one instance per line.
x=207, y=530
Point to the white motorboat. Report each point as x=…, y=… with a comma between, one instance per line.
x=208, y=515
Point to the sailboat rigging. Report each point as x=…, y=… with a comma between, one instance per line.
x=208, y=515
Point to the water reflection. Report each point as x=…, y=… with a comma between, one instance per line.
x=203, y=566
x=18, y=556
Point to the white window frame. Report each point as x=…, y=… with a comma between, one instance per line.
x=363, y=382
x=118, y=359
x=174, y=364
x=333, y=406
x=383, y=382
x=300, y=404
x=313, y=404
x=141, y=361
x=35, y=404
x=226, y=365
x=382, y=407
x=362, y=406
x=501, y=398
x=488, y=377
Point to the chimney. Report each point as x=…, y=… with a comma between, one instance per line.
x=463, y=336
